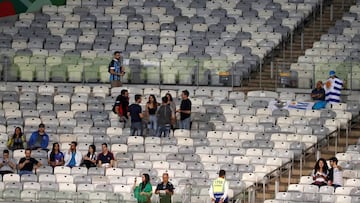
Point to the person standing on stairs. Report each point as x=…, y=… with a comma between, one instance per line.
x=116, y=70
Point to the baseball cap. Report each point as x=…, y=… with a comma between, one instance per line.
x=333, y=159
x=332, y=73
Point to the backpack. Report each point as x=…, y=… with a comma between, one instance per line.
x=117, y=103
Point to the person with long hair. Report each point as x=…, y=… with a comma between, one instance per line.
x=143, y=191
x=89, y=159
x=320, y=173
x=56, y=157
x=17, y=140
x=171, y=102
x=150, y=112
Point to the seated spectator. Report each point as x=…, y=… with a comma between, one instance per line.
x=335, y=174
x=105, y=158
x=39, y=139
x=56, y=157
x=320, y=173
x=17, y=140
x=7, y=164
x=27, y=164
x=72, y=157
x=318, y=94
x=89, y=159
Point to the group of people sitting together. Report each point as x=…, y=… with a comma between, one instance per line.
x=328, y=92
x=160, y=118
x=323, y=175
x=39, y=140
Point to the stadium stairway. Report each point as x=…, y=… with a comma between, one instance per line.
x=310, y=160
x=282, y=59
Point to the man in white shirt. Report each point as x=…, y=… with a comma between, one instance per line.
x=219, y=189
x=72, y=157
x=335, y=173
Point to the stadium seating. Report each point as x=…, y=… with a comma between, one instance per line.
x=165, y=42
x=245, y=140
x=187, y=42
x=337, y=50
x=303, y=191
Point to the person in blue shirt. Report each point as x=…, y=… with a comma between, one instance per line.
x=318, y=94
x=39, y=139
x=56, y=157
x=116, y=70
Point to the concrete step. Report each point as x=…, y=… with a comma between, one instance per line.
x=311, y=32
x=259, y=196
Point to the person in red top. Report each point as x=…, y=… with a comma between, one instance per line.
x=105, y=158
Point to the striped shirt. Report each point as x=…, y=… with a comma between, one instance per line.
x=116, y=66
x=333, y=92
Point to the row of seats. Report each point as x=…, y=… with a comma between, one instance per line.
x=242, y=32
x=348, y=192
x=337, y=50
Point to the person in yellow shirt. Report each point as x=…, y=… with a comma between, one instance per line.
x=219, y=189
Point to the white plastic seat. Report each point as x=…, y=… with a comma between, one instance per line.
x=11, y=178
x=254, y=152
x=309, y=140
x=85, y=188
x=305, y=180
x=295, y=187
x=62, y=170
x=241, y=160
x=116, y=148
x=113, y=131
x=343, y=190
x=65, y=114
x=62, y=99
x=79, y=171
x=64, y=178
x=310, y=189
x=47, y=178
x=122, y=188
x=70, y=187
x=285, y=196
x=183, y=141
x=230, y=135
x=214, y=134
x=343, y=199
x=135, y=140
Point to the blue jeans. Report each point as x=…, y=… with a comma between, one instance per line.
x=25, y=172
x=335, y=186
x=163, y=129
x=218, y=197
x=152, y=123
x=136, y=129
x=185, y=124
